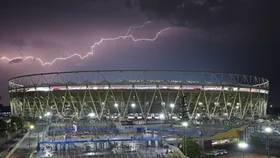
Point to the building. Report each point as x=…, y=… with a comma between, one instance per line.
x=138, y=94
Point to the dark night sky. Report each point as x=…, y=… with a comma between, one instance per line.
x=238, y=36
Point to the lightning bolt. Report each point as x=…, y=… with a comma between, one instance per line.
x=126, y=36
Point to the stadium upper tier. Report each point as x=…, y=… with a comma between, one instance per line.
x=132, y=79
x=145, y=93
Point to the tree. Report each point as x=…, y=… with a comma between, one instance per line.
x=3, y=125
x=193, y=149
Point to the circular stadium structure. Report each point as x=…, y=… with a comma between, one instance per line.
x=140, y=94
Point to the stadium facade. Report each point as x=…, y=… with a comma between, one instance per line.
x=138, y=93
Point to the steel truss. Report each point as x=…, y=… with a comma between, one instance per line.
x=111, y=101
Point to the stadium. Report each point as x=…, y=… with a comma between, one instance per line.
x=138, y=94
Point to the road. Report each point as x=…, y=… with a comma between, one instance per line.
x=21, y=149
x=240, y=155
x=5, y=148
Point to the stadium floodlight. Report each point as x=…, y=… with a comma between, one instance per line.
x=31, y=127
x=268, y=130
x=172, y=105
x=200, y=103
x=116, y=105
x=91, y=114
x=185, y=124
x=48, y=114
x=237, y=107
x=243, y=145
x=161, y=116
x=133, y=105
x=198, y=114
x=40, y=117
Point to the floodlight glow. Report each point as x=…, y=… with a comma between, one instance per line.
x=133, y=105
x=268, y=130
x=48, y=114
x=242, y=145
x=31, y=126
x=185, y=124
x=116, y=105
x=161, y=116
x=172, y=105
x=91, y=114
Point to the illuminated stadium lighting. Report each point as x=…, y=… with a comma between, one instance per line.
x=31, y=127
x=243, y=145
x=185, y=124
x=133, y=105
x=40, y=117
x=198, y=114
x=161, y=116
x=268, y=130
x=116, y=105
x=91, y=114
x=48, y=114
x=163, y=84
x=228, y=104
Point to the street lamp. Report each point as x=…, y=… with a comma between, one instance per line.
x=185, y=125
x=161, y=117
x=91, y=114
x=268, y=130
x=48, y=114
x=31, y=127
x=133, y=106
x=243, y=146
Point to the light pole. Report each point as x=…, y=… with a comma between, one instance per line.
x=161, y=117
x=91, y=115
x=185, y=125
x=268, y=130
x=30, y=129
x=243, y=146
x=133, y=107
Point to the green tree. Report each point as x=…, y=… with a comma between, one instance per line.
x=17, y=122
x=3, y=125
x=193, y=149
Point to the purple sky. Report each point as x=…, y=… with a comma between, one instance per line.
x=58, y=28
